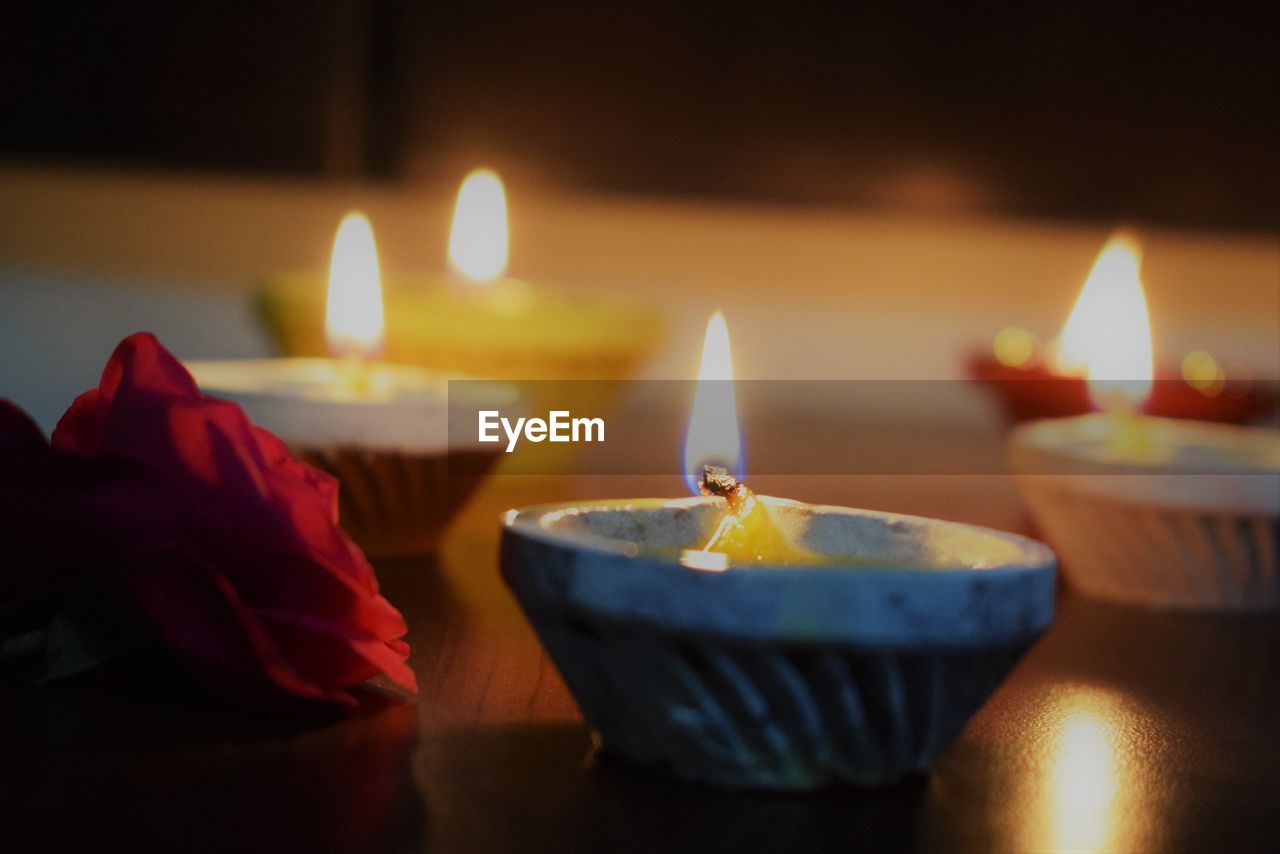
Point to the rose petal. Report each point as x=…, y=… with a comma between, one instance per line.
x=304, y=636
x=217, y=525
x=202, y=618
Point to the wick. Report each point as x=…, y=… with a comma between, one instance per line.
x=717, y=481
x=354, y=379
x=1128, y=436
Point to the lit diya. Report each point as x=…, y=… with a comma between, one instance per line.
x=754, y=642
x=1152, y=511
x=380, y=428
x=1032, y=380
x=476, y=319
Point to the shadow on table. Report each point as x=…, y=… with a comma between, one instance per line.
x=345, y=786
x=1174, y=658
x=544, y=787
x=157, y=766
x=638, y=812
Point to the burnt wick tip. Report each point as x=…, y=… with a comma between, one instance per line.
x=716, y=480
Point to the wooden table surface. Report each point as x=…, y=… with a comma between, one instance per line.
x=1121, y=729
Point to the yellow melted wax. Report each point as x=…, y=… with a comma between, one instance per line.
x=748, y=534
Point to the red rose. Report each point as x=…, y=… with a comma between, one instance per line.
x=229, y=546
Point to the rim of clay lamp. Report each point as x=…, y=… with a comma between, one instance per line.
x=1062, y=453
x=981, y=586
x=414, y=421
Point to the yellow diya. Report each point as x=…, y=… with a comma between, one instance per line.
x=475, y=318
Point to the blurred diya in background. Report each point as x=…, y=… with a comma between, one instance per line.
x=752, y=642
x=1033, y=381
x=380, y=428
x=1147, y=510
x=476, y=319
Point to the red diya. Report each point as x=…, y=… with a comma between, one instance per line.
x=1031, y=383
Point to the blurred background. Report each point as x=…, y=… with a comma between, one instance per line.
x=869, y=190
x=1164, y=113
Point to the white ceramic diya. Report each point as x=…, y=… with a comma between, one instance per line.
x=1145, y=510
x=386, y=442
x=380, y=428
x=856, y=666
x=1180, y=514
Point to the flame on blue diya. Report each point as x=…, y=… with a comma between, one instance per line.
x=713, y=437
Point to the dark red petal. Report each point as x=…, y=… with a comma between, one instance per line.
x=77, y=431
x=205, y=623
x=18, y=433
x=140, y=361
x=334, y=653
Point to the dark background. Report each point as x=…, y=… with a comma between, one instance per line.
x=1085, y=110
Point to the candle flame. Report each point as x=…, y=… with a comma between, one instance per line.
x=713, y=437
x=478, y=240
x=353, y=321
x=1107, y=338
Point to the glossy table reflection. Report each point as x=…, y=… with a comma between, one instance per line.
x=1121, y=729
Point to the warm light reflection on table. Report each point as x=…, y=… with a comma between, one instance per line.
x=1087, y=774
